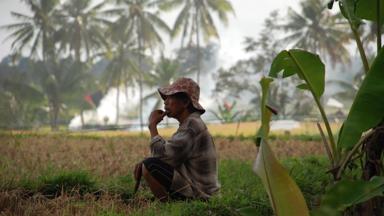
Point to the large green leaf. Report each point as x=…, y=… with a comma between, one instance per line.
x=367, y=9
x=348, y=10
x=311, y=70
x=367, y=109
x=284, y=195
x=306, y=65
x=346, y=193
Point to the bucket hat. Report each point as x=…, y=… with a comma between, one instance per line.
x=186, y=85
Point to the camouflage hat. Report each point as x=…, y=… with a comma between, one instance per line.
x=186, y=85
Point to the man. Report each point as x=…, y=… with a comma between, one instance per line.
x=185, y=166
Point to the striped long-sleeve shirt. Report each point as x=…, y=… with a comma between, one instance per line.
x=192, y=153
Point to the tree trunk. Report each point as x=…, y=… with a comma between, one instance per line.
x=373, y=148
x=117, y=106
x=198, y=46
x=141, y=102
x=82, y=118
x=141, y=51
x=54, y=115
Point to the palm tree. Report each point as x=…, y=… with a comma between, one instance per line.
x=36, y=30
x=20, y=101
x=317, y=30
x=167, y=70
x=82, y=27
x=145, y=24
x=122, y=67
x=57, y=80
x=349, y=87
x=195, y=19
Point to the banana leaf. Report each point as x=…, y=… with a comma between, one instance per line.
x=367, y=110
x=346, y=193
x=311, y=70
x=348, y=10
x=367, y=9
x=284, y=195
x=306, y=65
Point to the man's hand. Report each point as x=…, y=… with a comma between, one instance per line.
x=155, y=118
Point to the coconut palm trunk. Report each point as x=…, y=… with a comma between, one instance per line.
x=198, y=45
x=77, y=57
x=54, y=113
x=140, y=80
x=117, y=105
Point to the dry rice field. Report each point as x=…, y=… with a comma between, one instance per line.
x=112, y=156
x=106, y=155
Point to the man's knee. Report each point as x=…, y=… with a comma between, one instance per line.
x=145, y=171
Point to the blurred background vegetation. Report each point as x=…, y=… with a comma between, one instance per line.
x=67, y=55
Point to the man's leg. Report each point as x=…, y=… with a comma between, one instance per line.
x=158, y=176
x=157, y=189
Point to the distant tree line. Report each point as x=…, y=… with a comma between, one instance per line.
x=312, y=27
x=65, y=39
x=78, y=47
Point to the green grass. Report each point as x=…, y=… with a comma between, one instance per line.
x=245, y=130
x=68, y=182
x=120, y=135
x=240, y=188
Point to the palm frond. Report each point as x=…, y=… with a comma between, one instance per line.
x=20, y=16
x=207, y=24
x=168, y=5
x=20, y=36
x=35, y=44
x=181, y=19
x=222, y=8
x=159, y=22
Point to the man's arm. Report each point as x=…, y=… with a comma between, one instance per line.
x=175, y=150
x=154, y=119
x=153, y=130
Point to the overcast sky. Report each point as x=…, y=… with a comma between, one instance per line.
x=248, y=21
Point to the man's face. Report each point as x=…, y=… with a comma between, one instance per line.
x=174, y=106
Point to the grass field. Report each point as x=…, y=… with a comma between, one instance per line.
x=90, y=173
x=243, y=129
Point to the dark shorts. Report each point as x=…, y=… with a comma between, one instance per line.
x=163, y=173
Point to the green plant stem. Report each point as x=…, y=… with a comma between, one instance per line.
x=322, y=112
x=349, y=156
x=346, y=160
x=327, y=126
x=326, y=145
x=361, y=49
x=378, y=25
x=357, y=39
